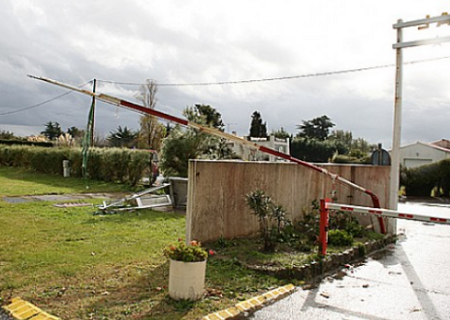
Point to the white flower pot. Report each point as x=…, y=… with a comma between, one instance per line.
x=187, y=280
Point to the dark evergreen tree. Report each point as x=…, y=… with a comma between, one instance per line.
x=122, y=138
x=75, y=132
x=52, y=130
x=258, y=129
x=210, y=116
x=317, y=128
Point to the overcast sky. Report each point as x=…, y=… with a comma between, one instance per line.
x=183, y=42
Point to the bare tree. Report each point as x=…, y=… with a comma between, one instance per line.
x=151, y=131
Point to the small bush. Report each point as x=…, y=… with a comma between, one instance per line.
x=362, y=250
x=339, y=238
x=272, y=218
x=339, y=220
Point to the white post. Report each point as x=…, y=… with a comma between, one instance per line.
x=395, y=154
x=66, y=169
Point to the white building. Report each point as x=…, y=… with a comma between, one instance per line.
x=245, y=153
x=420, y=153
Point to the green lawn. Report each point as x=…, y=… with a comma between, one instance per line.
x=17, y=182
x=77, y=265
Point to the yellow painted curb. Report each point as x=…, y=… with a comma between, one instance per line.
x=23, y=310
x=250, y=305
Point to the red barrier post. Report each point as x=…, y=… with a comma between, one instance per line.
x=323, y=231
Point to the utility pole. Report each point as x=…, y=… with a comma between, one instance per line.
x=395, y=154
x=93, y=113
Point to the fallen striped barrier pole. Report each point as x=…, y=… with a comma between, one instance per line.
x=386, y=213
x=326, y=205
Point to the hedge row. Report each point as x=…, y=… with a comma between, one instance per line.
x=112, y=164
x=421, y=180
x=26, y=143
x=340, y=158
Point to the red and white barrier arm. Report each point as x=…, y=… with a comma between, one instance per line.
x=385, y=213
x=213, y=131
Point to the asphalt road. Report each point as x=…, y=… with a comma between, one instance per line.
x=410, y=280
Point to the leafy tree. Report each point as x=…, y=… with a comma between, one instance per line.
x=258, y=129
x=317, y=128
x=360, y=145
x=342, y=139
x=122, y=138
x=349, y=150
x=6, y=135
x=52, y=130
x=281, y=134
x=312, y=150
x=207, y=115
x=151, y=130
x=314, y=143
x=183, y=144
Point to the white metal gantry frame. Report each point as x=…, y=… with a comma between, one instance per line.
x=395, y=154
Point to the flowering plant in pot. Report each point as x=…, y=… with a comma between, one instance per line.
x=186, y=253
x=187, y=270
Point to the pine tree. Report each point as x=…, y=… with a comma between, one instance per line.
x=258, y=129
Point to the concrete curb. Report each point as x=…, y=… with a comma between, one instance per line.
x=23, y=310
x=251, y=305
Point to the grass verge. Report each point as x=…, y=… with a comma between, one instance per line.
x=77, y=265
x=19, y=182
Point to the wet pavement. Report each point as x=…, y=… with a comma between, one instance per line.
x=409, y=280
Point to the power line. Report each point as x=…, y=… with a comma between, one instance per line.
x=42, y=103
x=308, y=75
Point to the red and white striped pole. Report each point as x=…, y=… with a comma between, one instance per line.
x=386, y=213
x=213, y=131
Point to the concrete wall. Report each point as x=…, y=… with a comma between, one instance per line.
x=216, y=193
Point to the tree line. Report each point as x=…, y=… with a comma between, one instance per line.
x=315, y=140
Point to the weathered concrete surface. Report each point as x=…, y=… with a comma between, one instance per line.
x=411, y=280
x=216, y=193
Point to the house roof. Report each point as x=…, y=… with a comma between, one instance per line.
x=444, y=143
x=431, y=145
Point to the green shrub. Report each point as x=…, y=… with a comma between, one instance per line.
x=339, y=238
x=341, y=220
x=419, y=181
x=114, y=164
x=272, y=218
x=362, y=250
